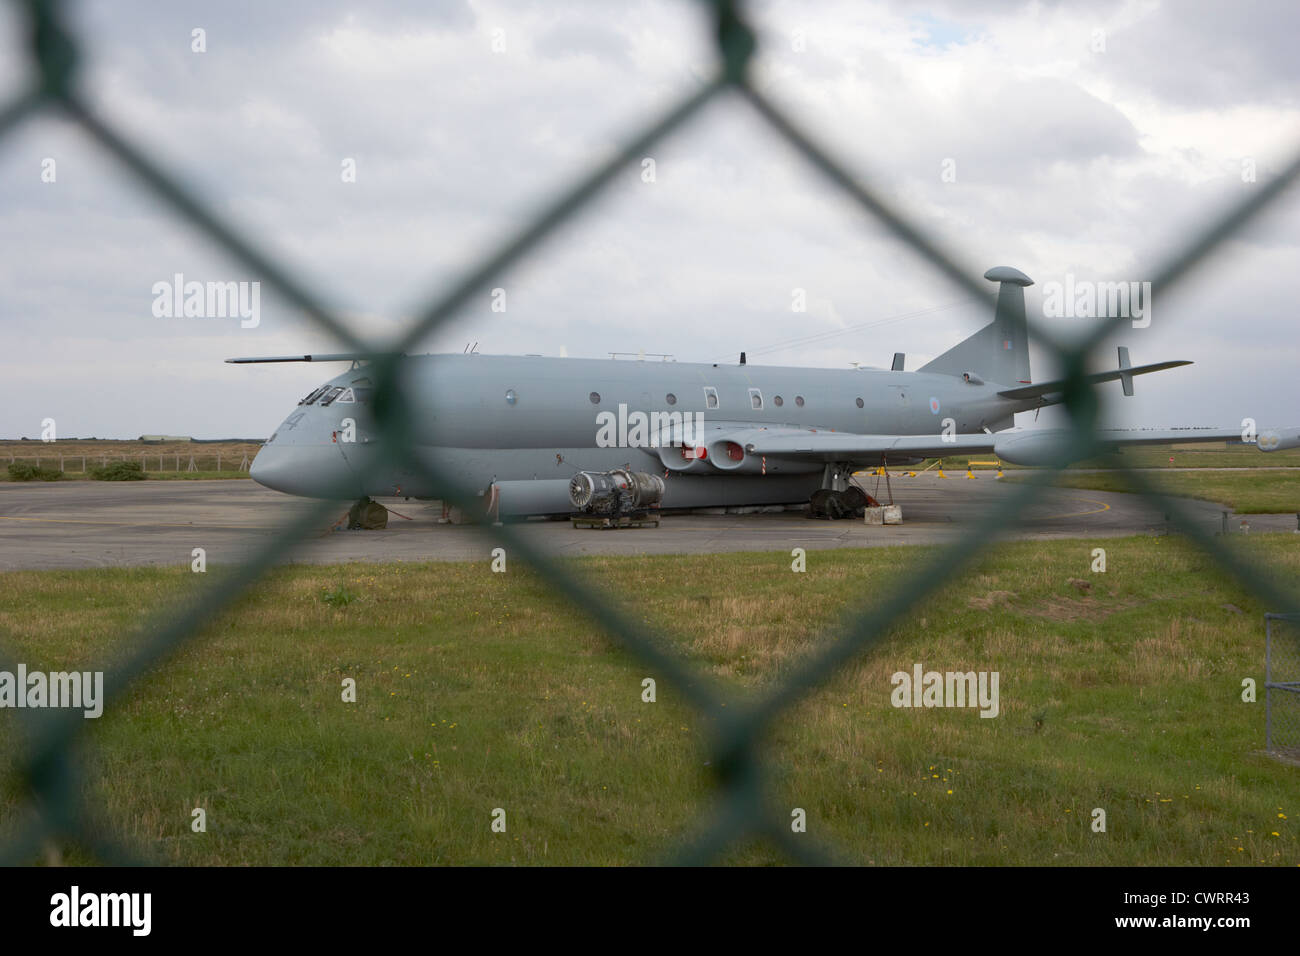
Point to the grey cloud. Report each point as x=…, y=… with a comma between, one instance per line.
x=1204, y=53
x=456, y=151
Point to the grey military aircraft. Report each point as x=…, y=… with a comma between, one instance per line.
x=517, y=429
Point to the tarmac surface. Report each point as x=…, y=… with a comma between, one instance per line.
x=76, y=524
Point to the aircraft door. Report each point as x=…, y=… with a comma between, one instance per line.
x=900, y=413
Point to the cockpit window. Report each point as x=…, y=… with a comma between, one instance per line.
x=332, y=394
x=312, y=396
x=362, y=394
x=346, y=398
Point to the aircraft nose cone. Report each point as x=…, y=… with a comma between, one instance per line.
x=309, y=471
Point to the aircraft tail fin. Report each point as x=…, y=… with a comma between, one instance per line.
x=999, y=352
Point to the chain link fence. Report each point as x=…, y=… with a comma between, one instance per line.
x=180, y=464
x=52, y=778
x=1282, y=685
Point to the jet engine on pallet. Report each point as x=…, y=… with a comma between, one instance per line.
x=615, y=499
x=618, y=492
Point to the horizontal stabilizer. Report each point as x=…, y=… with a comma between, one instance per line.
x=1125, y=374
x=319, y=357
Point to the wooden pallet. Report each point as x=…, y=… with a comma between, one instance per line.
x=621, y=521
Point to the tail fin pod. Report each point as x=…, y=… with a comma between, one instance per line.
x=999, y=352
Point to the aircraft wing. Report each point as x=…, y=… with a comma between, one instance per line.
x=1019, y=446
x=844, y=446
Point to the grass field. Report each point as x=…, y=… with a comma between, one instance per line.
x=1266, y=491
x=1201, y=455
x=479, y=691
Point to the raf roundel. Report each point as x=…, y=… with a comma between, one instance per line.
x=934, y=406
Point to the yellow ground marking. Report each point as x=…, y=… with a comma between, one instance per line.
x=1078, y=514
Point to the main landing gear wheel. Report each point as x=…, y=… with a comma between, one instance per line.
x=367, y=515
x=852, y=502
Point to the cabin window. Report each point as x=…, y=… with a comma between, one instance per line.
x=670, y=398
x=332, y=394
x=710, y=397
x=511, y=397
x=755, y=399
x=595, y=398
x=778, y=401
x=859, y=403
x=798, y=400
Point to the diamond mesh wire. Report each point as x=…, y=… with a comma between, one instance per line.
x=50, y=775
x=1282, y=685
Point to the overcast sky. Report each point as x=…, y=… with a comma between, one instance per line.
x=1086, y=138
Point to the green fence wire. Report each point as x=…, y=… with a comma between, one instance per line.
x=51, y=777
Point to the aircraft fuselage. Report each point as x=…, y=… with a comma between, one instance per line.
x=485, y=419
